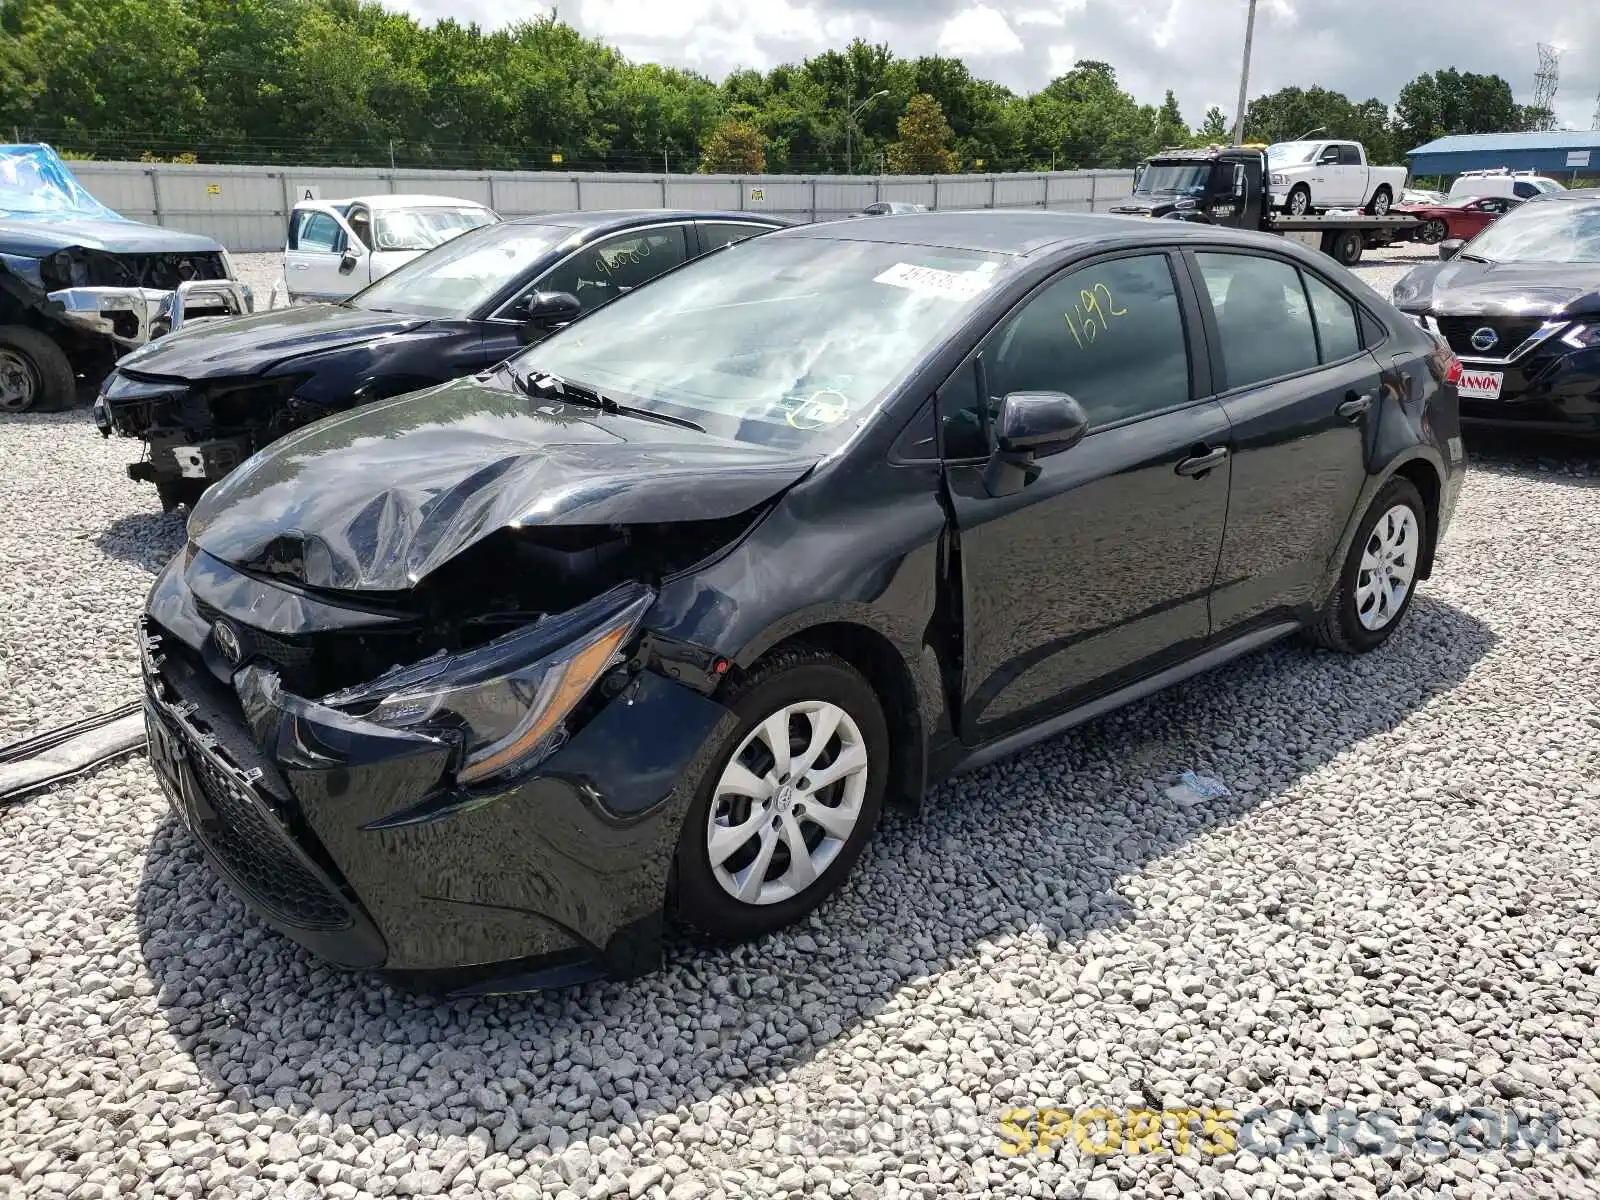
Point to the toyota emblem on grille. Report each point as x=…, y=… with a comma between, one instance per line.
x=228, y=642
x=1484, y=338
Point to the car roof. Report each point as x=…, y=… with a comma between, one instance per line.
x=1020, y=233
x=622, y=218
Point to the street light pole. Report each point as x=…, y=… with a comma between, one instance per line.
x=849, y=124
x=1244, y=76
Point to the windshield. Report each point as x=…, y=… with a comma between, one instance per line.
x=1556, y=231
x=1289, y=154
x=425, y=228
x=784, y=342
x=457, y=278
x=1173, y=179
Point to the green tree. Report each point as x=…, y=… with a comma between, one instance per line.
x=1215, y=128
x=924, y=145
x=1294, y=112
x=1170, y=127
x=1451, y=101
x=735, y=147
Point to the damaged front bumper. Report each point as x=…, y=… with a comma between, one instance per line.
x=353, y=838
x=131, y=316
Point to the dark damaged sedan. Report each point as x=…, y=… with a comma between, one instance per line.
x=481, y=683
x=1520, y=303
x=203, y=399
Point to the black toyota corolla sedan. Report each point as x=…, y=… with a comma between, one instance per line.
x=206, y=397
x=654, y=617
x=1520, y=303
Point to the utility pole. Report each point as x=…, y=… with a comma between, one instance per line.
x=391, y=154
x=1244, y=75
x=849, y=124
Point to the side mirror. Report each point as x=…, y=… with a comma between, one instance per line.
x=347, y=262
x=1031, y=424
x=547, y=308
x=1451, y=247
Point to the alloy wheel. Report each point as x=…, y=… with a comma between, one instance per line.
x=1380, y=204
x=19, y=382
x=1388, y=567
x=1299, y=202
x=787, y=802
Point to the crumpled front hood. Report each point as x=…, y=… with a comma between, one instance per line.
x=378, y=498
x=252, y=343
x=42, y=235
x=1458, y=288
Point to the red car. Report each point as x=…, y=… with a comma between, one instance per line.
x=1459, y=218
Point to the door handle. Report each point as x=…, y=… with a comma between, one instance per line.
x=1355, y=406
x=1199, y=464
x=301, y=266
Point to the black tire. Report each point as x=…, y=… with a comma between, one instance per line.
x=1339, y=626
x=1433, y=232
x=788, y=677
x=1346, y=246
x=174, y=492
x=1300, y=194
x=49, y=380
x=1382, y=201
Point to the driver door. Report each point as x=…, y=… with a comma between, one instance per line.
x=1099, y=571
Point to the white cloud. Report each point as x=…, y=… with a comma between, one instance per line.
x=981, y=32
x=1360, y=47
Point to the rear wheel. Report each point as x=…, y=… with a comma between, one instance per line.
x=1380, y=573
x=1382, y=201
x=1344, y=246
x=788, y=802
x=34, y=372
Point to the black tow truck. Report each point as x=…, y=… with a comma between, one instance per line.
x=1222, y=185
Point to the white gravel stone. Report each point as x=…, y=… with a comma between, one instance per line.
x=1397, y=908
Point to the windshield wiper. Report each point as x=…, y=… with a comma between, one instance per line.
x=543, y=385
x=1477, y=258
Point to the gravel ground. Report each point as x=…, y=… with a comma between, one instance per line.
x=1395, y=910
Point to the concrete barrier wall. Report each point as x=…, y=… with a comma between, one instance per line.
x=246, y=208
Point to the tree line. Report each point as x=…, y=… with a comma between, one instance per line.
x=348, y=82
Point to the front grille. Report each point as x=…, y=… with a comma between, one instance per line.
x=164, y=271
x=291, y=657
x=1510, y=332
x=256, y=851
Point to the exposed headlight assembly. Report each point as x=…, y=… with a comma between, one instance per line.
x=1582, y=337
x=1279, y=178
x=506, y=702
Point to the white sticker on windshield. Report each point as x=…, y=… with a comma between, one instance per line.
x=931, y=281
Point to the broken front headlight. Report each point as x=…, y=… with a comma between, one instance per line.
x=506, y=702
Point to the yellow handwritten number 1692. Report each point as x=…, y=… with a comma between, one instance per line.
x=1092, y=315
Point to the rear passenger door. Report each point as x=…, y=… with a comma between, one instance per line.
x=1300, y=390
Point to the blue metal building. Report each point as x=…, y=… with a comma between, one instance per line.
x=1558, y=154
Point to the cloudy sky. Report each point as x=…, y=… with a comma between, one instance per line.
x=1360, y=47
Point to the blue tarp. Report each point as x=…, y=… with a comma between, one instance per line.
x=36, y=185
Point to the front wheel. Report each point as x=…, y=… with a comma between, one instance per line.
x=788, y=801
x=34, y=372
x=1300, y=201
x=1433, y=232
x=1375, y=588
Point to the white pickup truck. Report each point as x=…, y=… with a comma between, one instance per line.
x=1308, y=177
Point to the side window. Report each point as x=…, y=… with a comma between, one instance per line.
x=617, y=264
x=1110, y=335
x=1349, y=156
x=716, y=234
x=1262, y=316
x=1524, y=189
x=1337, y=329
x=318, y=231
